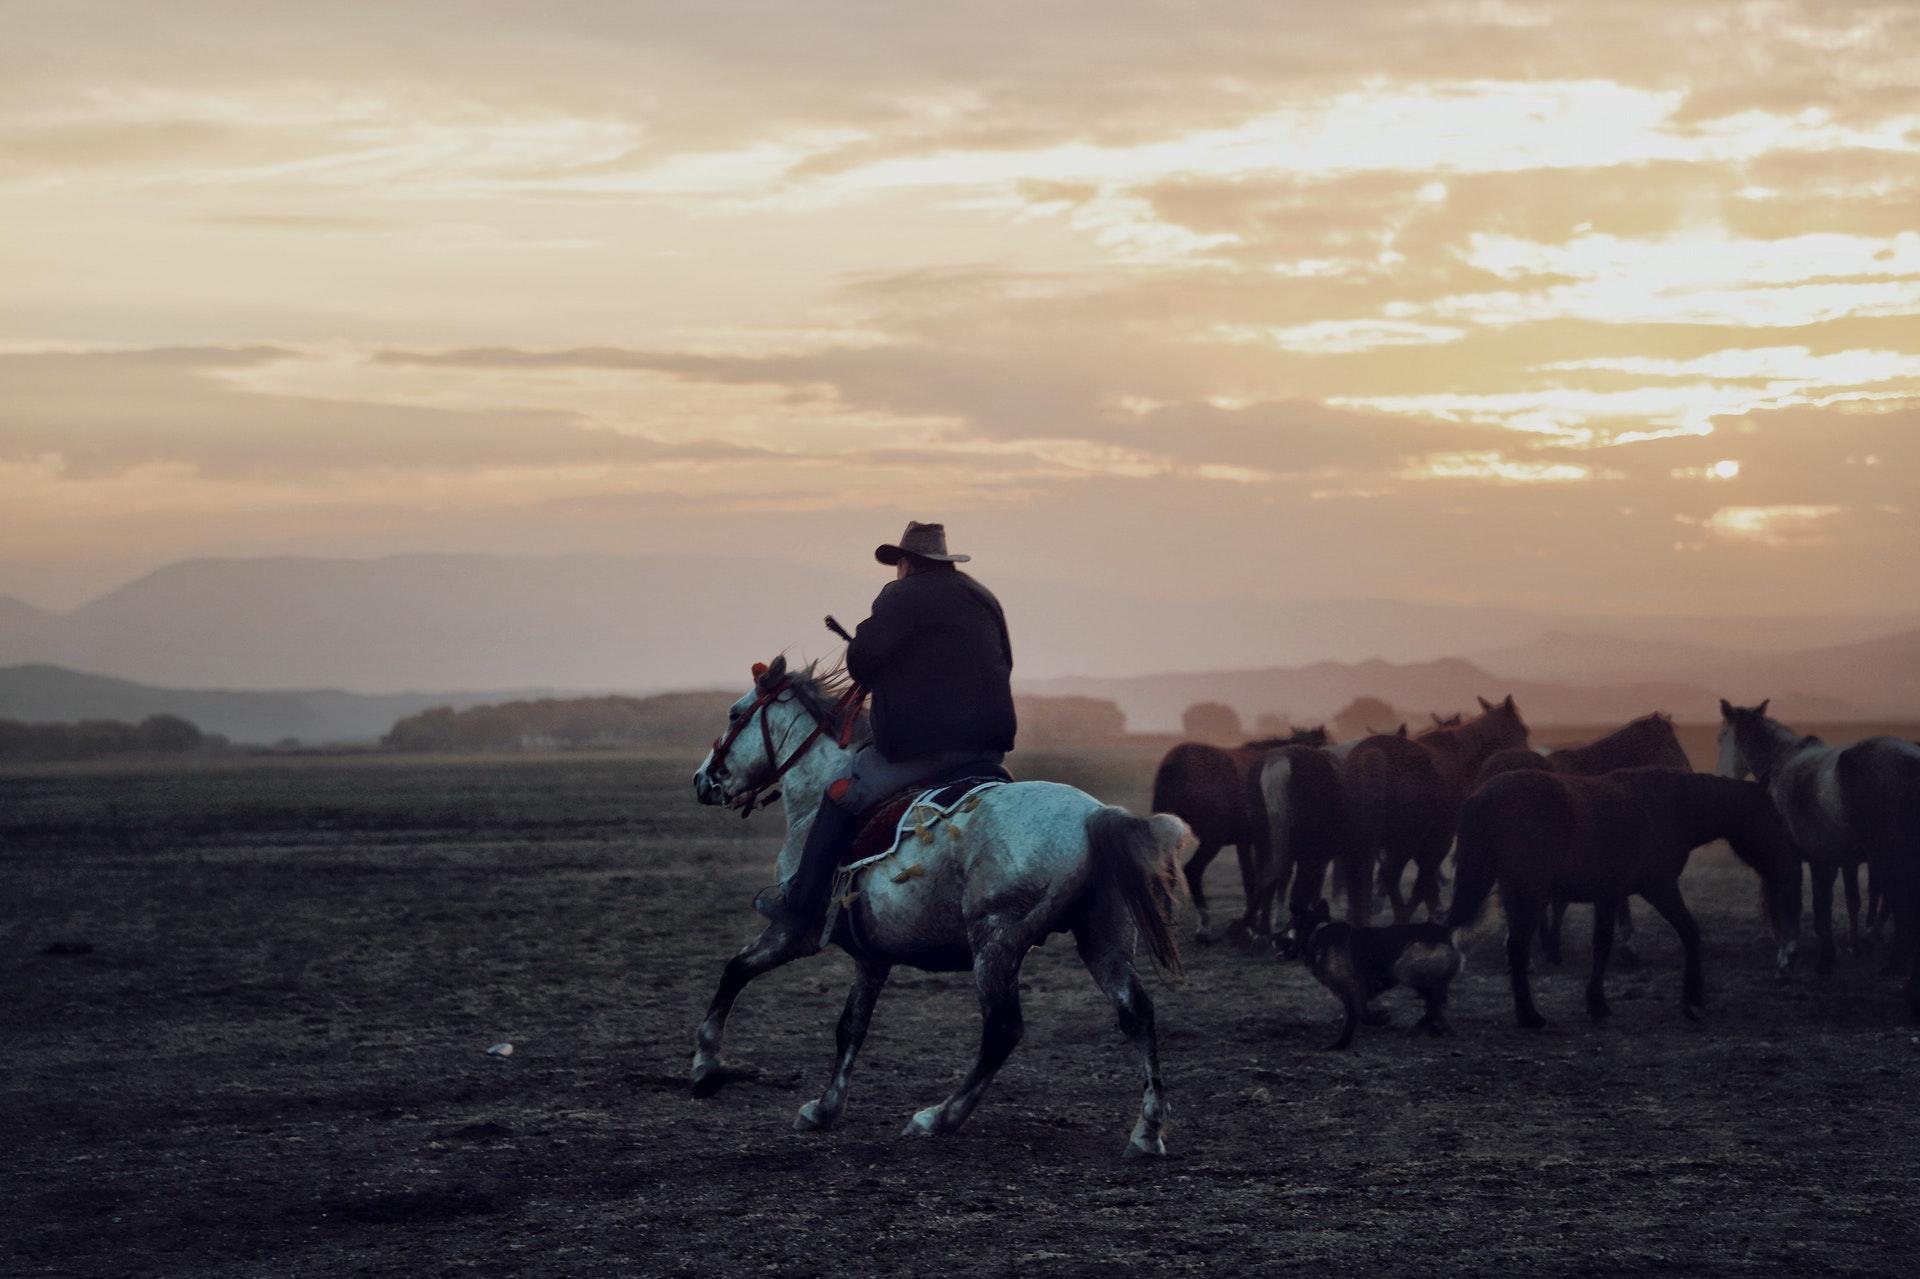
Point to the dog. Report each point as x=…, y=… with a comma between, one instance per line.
x=1358, y=964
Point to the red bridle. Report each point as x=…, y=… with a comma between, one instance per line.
x=845, y=711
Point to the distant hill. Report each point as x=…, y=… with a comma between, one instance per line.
x=1880, y=675
x=53, y=694
x=1311, y=694
x=652, y=623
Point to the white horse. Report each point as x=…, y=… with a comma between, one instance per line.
x=1844, y=805
x=1030, y=860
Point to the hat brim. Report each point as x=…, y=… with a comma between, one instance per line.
x=891, y=554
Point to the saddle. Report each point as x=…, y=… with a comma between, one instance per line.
x=900, y=819
x=880, y=825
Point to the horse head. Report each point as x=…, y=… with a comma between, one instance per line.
x=740, y=760
x=1744, y=741
x=1498, y=727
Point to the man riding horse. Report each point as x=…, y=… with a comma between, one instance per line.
x=937, y=661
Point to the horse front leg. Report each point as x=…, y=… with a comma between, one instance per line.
x=1673, y=908
x=772, y=948
x=996, y=974
x=825, y=1109
x=1603, y=912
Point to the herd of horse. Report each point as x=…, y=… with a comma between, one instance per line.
x=1598, y=824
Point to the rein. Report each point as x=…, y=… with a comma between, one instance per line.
x=845, y=712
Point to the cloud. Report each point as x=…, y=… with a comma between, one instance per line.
x=98, y=414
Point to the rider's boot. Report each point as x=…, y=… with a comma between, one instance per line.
x=799, y=904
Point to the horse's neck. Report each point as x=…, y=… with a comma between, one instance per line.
x=1784, y=746
x=816, y=769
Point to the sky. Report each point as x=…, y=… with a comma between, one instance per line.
x=1547, y=305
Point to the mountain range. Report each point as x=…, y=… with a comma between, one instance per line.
x=403, y=627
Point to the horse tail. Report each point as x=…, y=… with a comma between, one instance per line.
x=1168, y=791
x=1135, y=856
x=1474, y=868
x=1269, y=786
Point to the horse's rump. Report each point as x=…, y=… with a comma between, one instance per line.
x=1134, y=857
x=1204, y=786
x=1513, y=760
x=1395, y=791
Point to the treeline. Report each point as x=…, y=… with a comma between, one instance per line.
x=683, y=719
x=93, y=738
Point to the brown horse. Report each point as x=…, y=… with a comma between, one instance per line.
x=1596, y=839
x=1206, y=787
x=1647, y=742
x=1304, y=825
x=1406, y=796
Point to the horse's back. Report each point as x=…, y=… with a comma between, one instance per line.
x=1024, y=845
x=1204, y=786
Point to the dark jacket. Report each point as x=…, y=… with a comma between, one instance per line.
x=936, y=657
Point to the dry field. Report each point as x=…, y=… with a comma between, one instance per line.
x=247, y=1006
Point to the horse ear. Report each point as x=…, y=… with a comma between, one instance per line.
x=1726, y=709
x=1509, y=704
x=1761, y=709
x=773, y=672
x=1403, y=729
x=1485, y=705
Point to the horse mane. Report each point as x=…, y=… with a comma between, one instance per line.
x=822, y=685
x=1639, y=742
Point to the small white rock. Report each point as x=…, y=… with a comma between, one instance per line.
x=500, y=1050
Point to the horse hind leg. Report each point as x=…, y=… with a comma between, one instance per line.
x=1550, y=928
x=996, y=975
x=1673, y=908
x=1625, y=953
x=1603, y=913
x=768, y=951
x=825, y=1109
x=1196, y=872
x=1105, y=945
x=1821, y=876
x=1523, y=916
x=1850, y=881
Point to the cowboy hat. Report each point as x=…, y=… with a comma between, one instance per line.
x=925, y=541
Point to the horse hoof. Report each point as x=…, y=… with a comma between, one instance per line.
x=1138, y=1149
x=923, y=1124
x=1599, y=1011
x=810, y=1118
x=707, y=1076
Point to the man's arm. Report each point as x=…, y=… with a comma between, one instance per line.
x=877, y=639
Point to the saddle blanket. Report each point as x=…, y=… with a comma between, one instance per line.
x=920, y=817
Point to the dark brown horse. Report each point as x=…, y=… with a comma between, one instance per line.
x=1303, y=826
x=1647, y=742
x=1596, y=839
x=1206, y=787
x=1406, y=796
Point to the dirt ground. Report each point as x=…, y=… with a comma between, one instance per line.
x=247, y=1007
